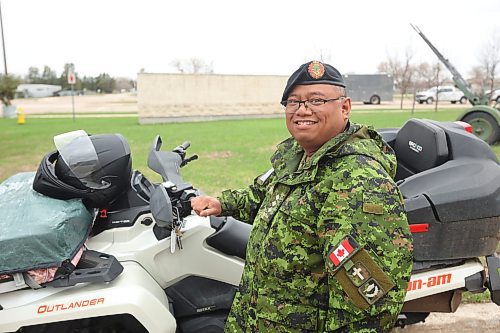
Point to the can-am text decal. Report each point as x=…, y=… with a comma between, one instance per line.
x=432, y=281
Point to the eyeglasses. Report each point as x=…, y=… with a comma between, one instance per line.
x=293, y=105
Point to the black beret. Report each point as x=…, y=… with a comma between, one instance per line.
x=313, y=72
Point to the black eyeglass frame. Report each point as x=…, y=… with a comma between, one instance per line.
x=307, y=103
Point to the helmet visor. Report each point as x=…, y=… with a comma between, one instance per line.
x=78, y=152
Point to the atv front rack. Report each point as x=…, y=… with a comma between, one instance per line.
x=93, y=267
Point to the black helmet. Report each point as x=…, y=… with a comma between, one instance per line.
x=95, y=168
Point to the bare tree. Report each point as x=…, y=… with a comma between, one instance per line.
x=476, y=78
x=124, y=84
x=428, y=76
x=196, y=65
x=192, y=66
x=325, y=56
x=439, y=79
x=490, y=59
x=401, y=70
x=178, y=65
x=422, y=80
x=424, y=76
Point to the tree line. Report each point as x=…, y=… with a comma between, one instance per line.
x=100, y=83
x=408, y=75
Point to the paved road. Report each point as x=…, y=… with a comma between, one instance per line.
x=126, y=103
x=469, y=318
x=96, y=104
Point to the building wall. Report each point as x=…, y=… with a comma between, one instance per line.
x=191, y=97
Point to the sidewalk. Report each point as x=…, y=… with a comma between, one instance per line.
x=469, y=318
x=95, y=104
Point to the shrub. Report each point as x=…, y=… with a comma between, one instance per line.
x=8, y=86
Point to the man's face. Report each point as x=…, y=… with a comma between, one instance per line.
x=312, y=127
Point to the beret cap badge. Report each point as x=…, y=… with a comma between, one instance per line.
x=313, y=72
x=316, y=69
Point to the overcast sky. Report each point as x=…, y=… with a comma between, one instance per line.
x=120, y=37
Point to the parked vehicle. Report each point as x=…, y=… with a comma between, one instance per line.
x=494, y=95
x=68, y=92
x=369, y=88
x=485, y=120
x=27, y=90
x=444, y=93
x=153, y=266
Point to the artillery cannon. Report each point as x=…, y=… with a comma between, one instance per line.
x=484, y=119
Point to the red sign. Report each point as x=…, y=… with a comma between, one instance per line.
x=71, y=78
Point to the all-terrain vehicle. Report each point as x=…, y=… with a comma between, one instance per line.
x=150, y=265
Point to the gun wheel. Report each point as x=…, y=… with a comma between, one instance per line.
x=484, y=126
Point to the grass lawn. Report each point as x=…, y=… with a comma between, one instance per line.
x=231, y=153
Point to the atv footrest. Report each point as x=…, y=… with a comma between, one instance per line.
x=93, y=267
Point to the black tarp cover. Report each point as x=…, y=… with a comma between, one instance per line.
x=37, y=231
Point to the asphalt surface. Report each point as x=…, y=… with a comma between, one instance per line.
x=125, y=104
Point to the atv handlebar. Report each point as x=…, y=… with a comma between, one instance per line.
x=177, y=193
x=181, y=150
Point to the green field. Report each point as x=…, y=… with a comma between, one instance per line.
x=231, y=153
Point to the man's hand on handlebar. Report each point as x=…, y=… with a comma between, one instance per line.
x=206, y=206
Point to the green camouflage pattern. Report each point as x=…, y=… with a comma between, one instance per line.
x=299, y=214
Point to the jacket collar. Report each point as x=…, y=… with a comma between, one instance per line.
x=289, y=154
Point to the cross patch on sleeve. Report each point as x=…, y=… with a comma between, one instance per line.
x=358, y=274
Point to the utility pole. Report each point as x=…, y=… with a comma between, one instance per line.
x=3, y=42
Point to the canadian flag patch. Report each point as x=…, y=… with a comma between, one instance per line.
x=342, y=251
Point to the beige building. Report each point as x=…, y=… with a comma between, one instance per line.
x=192, y=97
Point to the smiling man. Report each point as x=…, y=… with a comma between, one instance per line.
x=330, y=248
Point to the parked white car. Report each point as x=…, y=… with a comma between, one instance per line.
x=495, y=96
x=445, y=93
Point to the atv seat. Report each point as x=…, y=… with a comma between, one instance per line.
x=419, y=146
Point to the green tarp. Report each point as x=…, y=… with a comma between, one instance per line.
x=37, y=231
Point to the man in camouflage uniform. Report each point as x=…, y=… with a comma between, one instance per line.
x=330, y=248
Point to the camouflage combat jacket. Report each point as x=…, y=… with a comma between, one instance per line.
x=330, y=248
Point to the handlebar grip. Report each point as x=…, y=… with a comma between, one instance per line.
x=185, y=145
x=181, y=149
x=189, y=159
